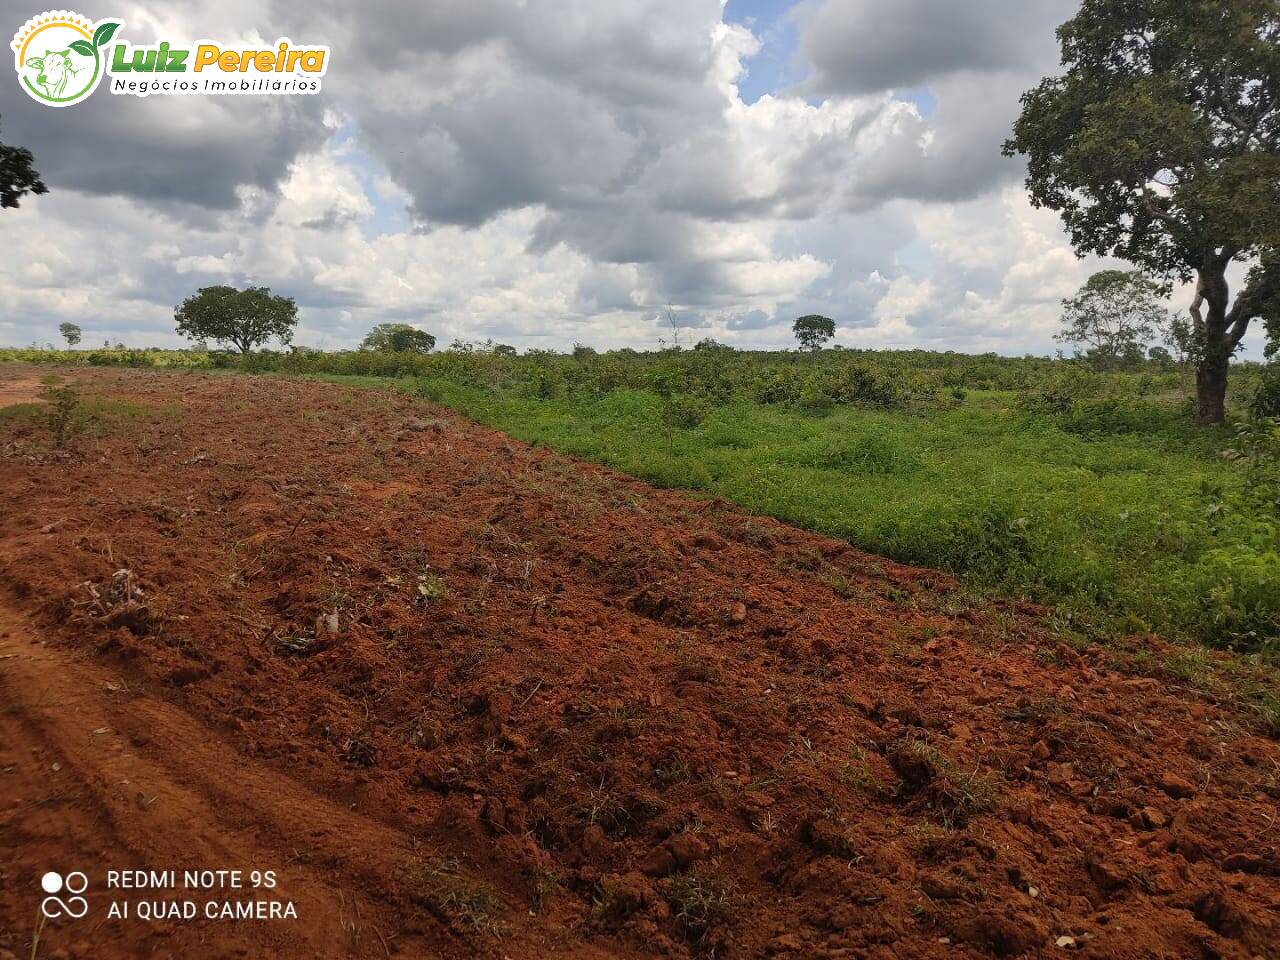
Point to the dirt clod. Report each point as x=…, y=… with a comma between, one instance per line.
x=1176, y=786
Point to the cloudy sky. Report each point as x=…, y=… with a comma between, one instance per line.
x=544, y=172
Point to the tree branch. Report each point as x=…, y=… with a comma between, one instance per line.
x=1261, y=289
x=1197, y=308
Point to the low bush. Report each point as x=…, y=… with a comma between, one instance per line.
x=1265, y=402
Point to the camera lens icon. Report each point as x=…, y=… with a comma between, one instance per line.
x=74, y=883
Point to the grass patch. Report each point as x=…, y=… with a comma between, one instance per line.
x=66, y=413
x=954, y=793
x=1268, y=707
x=467, y=905
x=700, y=900
x=430, y=587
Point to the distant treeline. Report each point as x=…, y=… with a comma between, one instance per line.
x=713, y=375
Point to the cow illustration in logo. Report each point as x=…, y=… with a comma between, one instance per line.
x=55, y=71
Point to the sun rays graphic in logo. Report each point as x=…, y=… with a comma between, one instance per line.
x=60, y=56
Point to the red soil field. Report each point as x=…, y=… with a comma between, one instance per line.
x=469, y=698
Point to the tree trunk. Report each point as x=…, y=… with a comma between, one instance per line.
x=1219, y=330
x=1212, y=327
x=1211, y=388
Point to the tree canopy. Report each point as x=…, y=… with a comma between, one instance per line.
x=70, y=332
x=398, y=338
x=813, y=331
x=244, y=318
x=17, y=175
x=1114, y=316
x=711, y=344
x=1160, y=145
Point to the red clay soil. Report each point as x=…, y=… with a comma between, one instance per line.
x=469, y=698
x=16, y=388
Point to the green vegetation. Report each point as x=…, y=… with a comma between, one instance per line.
x=954, y=793
x=1033, y=478
x=1114, y=316
x=244, y=318
x=17, y=176
x=466, y=904
x=398, y=338
x=64, y=413
x=1160, y=144
x=1029, y=478
x=70, y=332
x=700, y=900
x=116, y=357
x=813, y=331
x=63, y=408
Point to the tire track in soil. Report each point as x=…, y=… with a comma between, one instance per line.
x=96, y=776
x=601, y=700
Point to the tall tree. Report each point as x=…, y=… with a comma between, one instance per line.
x=17, y=176
x=813, y=331
x=246, y=318
x=70, y=332
x=1160, y=145
x=398, y=338
x=1114, y=316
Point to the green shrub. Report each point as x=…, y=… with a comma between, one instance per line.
x=684, y=412
x=1265, y=402
x=1237, y=596
x=781, y=385
x=874, y=454
x=64, y=413
x=1110, y=415
x=1059, y=393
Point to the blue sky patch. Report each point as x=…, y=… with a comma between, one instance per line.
x=774, y=67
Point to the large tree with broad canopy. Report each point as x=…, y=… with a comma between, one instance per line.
x=1160, y=145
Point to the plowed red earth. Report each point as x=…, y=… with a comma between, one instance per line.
x=470, y=698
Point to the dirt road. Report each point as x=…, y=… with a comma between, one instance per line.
x=468, y=698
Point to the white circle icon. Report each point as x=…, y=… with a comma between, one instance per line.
x=74, y=906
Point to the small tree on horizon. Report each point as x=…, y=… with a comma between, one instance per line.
x=813, y=331
x=1113, y=317
x=1160, y=145
x=244, y=318
x=707, y=344
x=398, y=338
x=70, y=333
